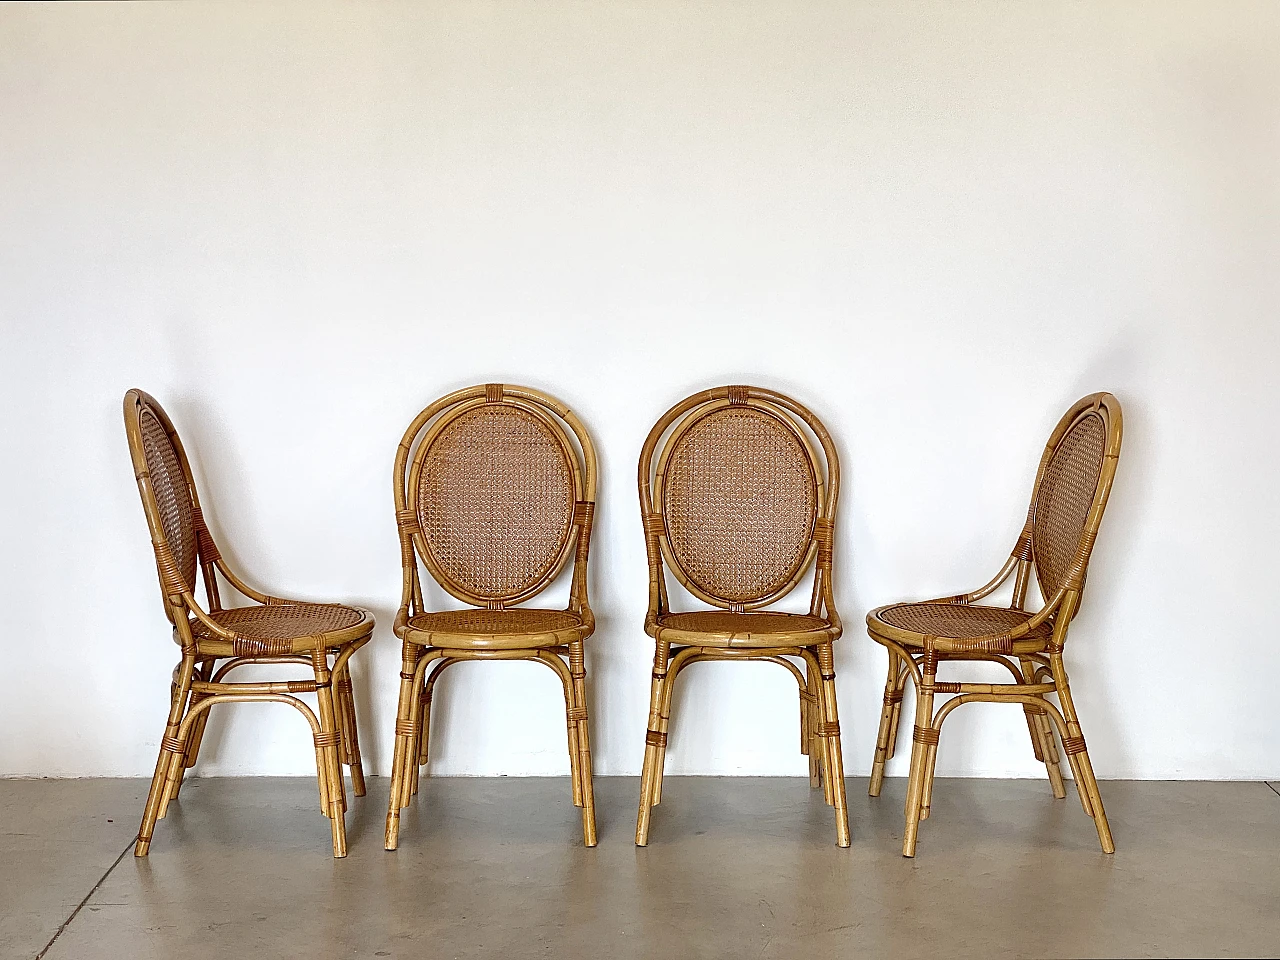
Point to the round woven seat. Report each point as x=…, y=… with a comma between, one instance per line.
x=722, y=628
x=283, y=627
x=517, y=628
x=910, y=623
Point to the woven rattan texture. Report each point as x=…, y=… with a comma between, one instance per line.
x=285, y=621
x=495, y=500
x=495, y=622
x=1066, y=493
x=173, y=496
x=740, y=500
x=760, y=624
x=958, y=621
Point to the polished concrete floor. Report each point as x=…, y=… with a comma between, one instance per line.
x=735, y=868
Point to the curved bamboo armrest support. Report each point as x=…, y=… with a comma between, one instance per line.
x=402, y=619
x=986, y=590
x=193, y=605
x=257, y=596
x=829, y=609
x=587, y=615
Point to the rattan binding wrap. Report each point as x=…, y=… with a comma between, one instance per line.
x=738, y=488
x=215, y=640
x=1067, y=503
x=494, y=493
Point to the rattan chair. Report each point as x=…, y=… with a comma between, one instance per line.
x=738, y=503
x=216, y=640
x=1067, y=502
x=494, y=495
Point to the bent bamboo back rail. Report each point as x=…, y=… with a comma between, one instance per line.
x=1068, y=499
x=738, y=503
x=215, y=639
x=495, y=489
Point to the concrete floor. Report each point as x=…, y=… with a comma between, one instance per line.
x=735, y=868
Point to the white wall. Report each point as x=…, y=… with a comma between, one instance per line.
x=937, y=224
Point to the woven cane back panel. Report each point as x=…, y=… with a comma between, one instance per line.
x=172, y=495
x=495, y=500
x=739, y=500
x=1066, y=493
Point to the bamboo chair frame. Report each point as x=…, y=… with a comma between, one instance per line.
x=740, y=632
x=216, y=640
x=431, y=642
x=1031, y=648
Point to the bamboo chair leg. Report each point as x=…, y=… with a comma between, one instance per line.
x=414, y=774
x=1052, y=762
x=831, y=733
x=424, y=748
x=169, y=747
x=897, y=710
x=1042, y=739
x=402, y=757
x=919, y=752
x=886, y=725
x=817, y=747
x=652, y=737
x=1074, y=746
x=428, y=692
x=926, y=795
x=578, y=670
x=350, y=733
x=821, y=743
x=664, y=727
x=328, y=741
x=412, y=768
x=575, y=754
x=204, y=671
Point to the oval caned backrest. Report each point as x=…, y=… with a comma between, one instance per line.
x=167, y=490
x=741, y=494
x=1071, y=492
x=494, y=492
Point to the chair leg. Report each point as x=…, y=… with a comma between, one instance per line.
x=1078, y=756
x=403, y=756
x=926, y=794
x=817, y=746
x=204, y=671
x=920, y=742
x=1042, y=739
x=1052, y=761
x=897, y=711
x=664, y=727
x=350, y=734
x=169, y=748
x=888, y=725
x=578, y=670
x=328, y=742
x=652, y=739
x=575, y=753
x=424, y=712
x=830, y=732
